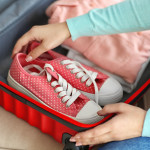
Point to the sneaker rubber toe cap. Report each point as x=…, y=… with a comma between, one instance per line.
x=88, y=114
x=110, y=92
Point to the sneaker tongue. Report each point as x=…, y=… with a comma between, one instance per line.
x=52, y=73
x=55, y=62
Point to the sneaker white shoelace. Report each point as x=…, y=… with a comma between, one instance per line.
x=64, y=89
x=85, y=75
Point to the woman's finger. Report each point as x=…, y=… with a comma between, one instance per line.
x=95, y=132
x=35, y=53
x=107, y=137
x=50, y=36
x=24, y=40
x=113, y=108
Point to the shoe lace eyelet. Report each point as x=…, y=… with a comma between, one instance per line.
x=77, y=77
x=82, y=81
x=62, y=102
x=61, y=63
x=67, y=106
x=58, y=96
x=87, y=85
x=72, y=71
x=67, y=67
x=55, y=91
x=52, y=86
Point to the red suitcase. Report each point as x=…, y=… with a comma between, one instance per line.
x=60, y=127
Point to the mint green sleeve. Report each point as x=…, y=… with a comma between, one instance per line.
x=146, y=126
x=127, y=16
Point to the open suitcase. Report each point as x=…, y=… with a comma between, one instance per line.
x=47, y=120
x=53, y=123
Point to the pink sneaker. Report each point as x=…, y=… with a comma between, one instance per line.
x=42, y=83
x=92, y=83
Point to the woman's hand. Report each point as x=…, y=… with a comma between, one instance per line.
x=128, y=123
x=50, y=36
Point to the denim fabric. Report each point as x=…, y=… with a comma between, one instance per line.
x=141, y=143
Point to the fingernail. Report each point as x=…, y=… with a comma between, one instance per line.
x=77, y=137
x=78, y=144
x=72, y=140
x=12, y=56
x=28, y=58
x=99, y=112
